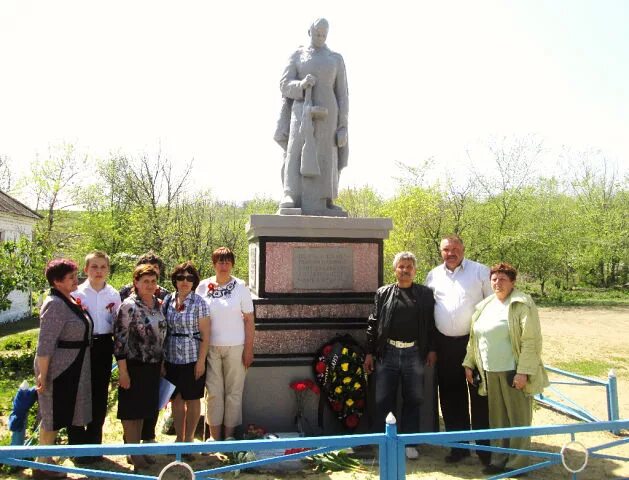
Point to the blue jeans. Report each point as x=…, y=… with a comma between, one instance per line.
x=394, y=365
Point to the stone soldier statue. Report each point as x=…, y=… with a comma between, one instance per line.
x=312, y=128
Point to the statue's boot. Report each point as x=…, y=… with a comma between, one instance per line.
x=287, y=202
x=331, y=206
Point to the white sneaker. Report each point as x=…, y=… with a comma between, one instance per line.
x=411, y=453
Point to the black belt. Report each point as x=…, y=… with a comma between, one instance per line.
x=72, y=344
x=189, y=335
x=102, y=336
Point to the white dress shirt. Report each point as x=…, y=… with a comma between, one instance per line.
x=456, y=295
x=102, y=305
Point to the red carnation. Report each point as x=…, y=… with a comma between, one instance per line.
x=337, y=406
x=315, y=389
x=181, y=308
x=352, y=421
x=309, y=383
x=320, y=367
x=298, y=386
x=210, y=287
x=110, y=307
x=327, y=349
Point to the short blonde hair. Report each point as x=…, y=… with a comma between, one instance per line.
x=96, y=254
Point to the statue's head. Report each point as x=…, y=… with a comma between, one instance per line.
x=318, y=32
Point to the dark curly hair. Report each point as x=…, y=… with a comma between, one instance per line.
x=58, y=268
x=181, y=269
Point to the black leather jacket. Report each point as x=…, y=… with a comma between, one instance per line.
x=379, y=321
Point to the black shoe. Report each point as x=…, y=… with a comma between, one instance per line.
x=492, y=469
x=456, y=455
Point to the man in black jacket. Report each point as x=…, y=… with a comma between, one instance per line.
x=401, y=337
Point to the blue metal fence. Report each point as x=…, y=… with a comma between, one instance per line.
x=569, y=406
x=392, y=461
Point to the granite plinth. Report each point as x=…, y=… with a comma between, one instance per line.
x=313, y=278
x=305, y=226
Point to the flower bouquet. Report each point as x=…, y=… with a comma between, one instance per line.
x=301, y=387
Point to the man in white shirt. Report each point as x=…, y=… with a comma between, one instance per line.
x=458, y=285
x=101, y=301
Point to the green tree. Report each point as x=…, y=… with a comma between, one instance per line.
x=360, y=202
x=21, y=264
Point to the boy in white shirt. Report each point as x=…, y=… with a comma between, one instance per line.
x=101, y=301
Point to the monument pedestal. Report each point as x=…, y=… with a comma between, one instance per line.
x=313, y=278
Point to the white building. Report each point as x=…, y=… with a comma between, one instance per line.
x=16, y=220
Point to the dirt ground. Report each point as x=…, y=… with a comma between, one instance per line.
x=570, y=334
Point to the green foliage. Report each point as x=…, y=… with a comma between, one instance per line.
x=19, y=341
x=559, y=232
x=336, y=462
x=21, y=264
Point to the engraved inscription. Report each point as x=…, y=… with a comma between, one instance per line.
x=328, y=268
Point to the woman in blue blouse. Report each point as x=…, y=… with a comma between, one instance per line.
x=186, y=347
x=139, y=333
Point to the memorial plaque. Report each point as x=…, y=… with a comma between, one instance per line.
x=323, y=268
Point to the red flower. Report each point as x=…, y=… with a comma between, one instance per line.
x=360, y=403
x=157, y=292
x=327, y=349
x=315, y=389
x=299, y=386
x=290, y=451
x=352, y=421
x=210, y=287
x=77, y=300
x=110, y=307
x=181, y=308
x=337, y=406
x=309, y=383
x=320, y=367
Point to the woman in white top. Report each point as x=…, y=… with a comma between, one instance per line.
x=231, y=344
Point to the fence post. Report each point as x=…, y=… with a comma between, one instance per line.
x=392, y=467
x=613, y=412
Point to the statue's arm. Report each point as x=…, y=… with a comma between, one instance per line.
x=342, y=100
x=290, y=85
x=342, y=95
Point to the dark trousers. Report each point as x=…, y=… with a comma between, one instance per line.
x=399, y=365
x=148, y=427
x=101, y=360
x=454, y=390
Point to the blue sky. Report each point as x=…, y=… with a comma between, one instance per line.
x=426, y=79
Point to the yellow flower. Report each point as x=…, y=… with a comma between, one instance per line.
x=345, y=351
x=354, y=355
x=359, y=371
x=338, y=389
x=357, y=386
x=344, y=366
x=346, y=380
x=349, y=402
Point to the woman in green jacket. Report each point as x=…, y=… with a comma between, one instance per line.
x=505, y=348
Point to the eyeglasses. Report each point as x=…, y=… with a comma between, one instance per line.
x=187, y=278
